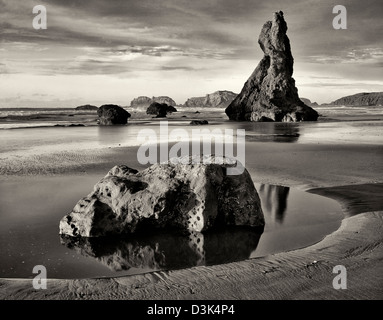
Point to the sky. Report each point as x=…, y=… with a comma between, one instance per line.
x=111, y=51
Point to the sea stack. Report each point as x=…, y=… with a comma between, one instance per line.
x=270, y=92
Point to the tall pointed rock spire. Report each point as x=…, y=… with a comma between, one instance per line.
x=270, y=93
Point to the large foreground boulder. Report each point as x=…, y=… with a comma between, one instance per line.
x=270, y=92
x=110, y=114
x=188, y=193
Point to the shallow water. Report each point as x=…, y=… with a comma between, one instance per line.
x=48, y=139
x=29, y=233
x=30, y=212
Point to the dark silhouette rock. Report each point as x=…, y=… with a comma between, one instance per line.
x=198, y=122
x=87, y=107
x=70, y=125
x=160, y=109
x=171, y=109
x=361, y=99
x=76, y=125
x=265, y=119
x=218, y=99
x=111, y=114
x=270, y=91
x=189, y=193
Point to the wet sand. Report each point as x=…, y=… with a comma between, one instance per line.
x=303, y=166
x=300, y=274
x=349, y=173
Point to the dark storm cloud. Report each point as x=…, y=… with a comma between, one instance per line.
x=215, y=29
x=50, y=36
x=231, y=24
x=111, y=24
x=167, y=12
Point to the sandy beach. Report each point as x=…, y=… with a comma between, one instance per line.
x=350, y=173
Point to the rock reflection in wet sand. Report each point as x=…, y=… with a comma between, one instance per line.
x=274, y=200
x=169, y=251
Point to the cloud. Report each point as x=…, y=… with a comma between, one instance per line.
x=362, y=56
x=343, y=84
x=209, y=40
x=126, y=59
x=3, y=68
x=115, y=60
x=183, y=68
x=111, y=23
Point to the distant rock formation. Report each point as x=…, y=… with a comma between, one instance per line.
x=111, y=114
x=361, y=99
x=218, y=99
x=160, y=109
x=141, y=101
x=189, y=194
x=145, y=102
x=270, y=91
x=87, y=107
x=198, y=122
x=308, y=102
x=164, y=99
